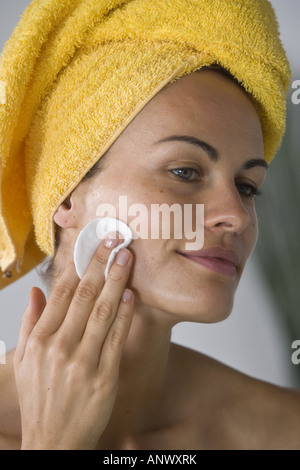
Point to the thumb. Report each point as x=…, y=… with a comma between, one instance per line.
x=37, y=303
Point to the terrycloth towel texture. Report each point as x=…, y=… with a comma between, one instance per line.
x=78, y=71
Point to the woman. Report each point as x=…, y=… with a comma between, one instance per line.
x=94, y=367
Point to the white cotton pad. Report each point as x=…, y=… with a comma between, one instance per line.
x=90, y=238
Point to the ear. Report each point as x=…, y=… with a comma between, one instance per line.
x=64, y=217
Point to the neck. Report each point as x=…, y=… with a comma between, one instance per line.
x=143, y=375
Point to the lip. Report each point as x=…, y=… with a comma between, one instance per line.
x=218, y=259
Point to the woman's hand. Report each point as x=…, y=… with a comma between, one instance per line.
x=68, y=355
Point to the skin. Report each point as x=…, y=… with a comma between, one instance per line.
x=140, y=390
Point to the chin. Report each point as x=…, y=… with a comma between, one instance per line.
x=208, y=309
x=212, y=302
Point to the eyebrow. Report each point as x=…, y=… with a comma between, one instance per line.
x=212, y=153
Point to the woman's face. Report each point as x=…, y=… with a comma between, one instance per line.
x=221, y=172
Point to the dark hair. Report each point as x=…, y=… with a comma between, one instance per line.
x=221, y=70
x=99, y=165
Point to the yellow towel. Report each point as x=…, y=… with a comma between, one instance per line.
x=76, y=72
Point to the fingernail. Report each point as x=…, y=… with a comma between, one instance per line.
x=112, y=240
x=126, y=297
x=122, y=257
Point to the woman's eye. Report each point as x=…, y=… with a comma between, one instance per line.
x=187, y=174
x=248, y=190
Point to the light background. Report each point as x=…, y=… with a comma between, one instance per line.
x=252, y=339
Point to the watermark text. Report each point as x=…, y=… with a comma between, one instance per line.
x=152, y=458
x=296, y=94
x=160, y=221
x=296, y=354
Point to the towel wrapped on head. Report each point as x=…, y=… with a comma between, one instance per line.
x=77, y=72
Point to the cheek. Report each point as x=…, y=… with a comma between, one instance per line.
x=252, y=233
x=152, y=276
x=150, y=258
x=161, y=281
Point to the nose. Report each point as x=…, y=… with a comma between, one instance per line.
x=225, y=210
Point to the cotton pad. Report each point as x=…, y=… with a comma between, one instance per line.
x=90, y=238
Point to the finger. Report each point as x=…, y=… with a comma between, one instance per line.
x=31, y=316
x=113, y=347
x=87, y=293
x=58, y=303
x=106, y=307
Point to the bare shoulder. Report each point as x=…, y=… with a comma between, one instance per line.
x=10, y=429
x=237, y=411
